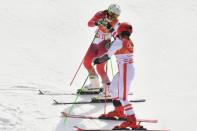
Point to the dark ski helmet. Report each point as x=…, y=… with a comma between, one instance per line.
x=124, y=27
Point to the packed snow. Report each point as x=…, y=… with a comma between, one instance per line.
x=42, y=43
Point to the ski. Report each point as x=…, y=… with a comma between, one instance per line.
x=81, y=129
x=102, y=118
x=42, y=92
x=91, y=92
x=94, y=100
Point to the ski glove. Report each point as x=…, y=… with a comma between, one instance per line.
x=105, y=24
x=101, y=59
x=101, y=22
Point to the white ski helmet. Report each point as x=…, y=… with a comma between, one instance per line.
x=115, y=9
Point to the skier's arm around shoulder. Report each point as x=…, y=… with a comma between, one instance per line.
x=116, y=45
x=99, y=15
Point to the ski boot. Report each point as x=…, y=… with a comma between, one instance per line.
x=104, y=95
x=130, y=124
x=92, y=88
x=118, y=113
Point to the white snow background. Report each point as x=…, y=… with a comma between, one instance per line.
x=42, y=43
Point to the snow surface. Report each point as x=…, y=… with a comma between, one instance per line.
x=42, y=42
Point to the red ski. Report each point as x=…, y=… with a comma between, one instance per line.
x=81, y=129
x=95, y=117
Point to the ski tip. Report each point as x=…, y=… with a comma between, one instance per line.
x=64, y=114
x=40, y=92
x=138, y=100
x=55, y=102
x=77, y=128
x=148, y=120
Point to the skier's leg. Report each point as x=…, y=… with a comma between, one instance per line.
x=126, y=77
x=105, y=80
x=91, y=53
x=102, y=73
x=93, y=77
x=118, y=108
x=125, y=80
x=113, y=88
x=101, y=68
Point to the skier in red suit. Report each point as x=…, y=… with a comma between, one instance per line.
x=106, y=22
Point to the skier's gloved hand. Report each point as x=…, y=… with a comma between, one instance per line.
x=101, y=22
x=101, y=59
x=96, y=61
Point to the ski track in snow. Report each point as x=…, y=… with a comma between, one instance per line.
x=42, y=44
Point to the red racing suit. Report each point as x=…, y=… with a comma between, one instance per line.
x=98, y=46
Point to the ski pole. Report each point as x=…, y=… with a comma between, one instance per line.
x=78, y=94
x=76, y=98
x=106, y=88
x=112, y=70
x=83, y=59
x=76, y=72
